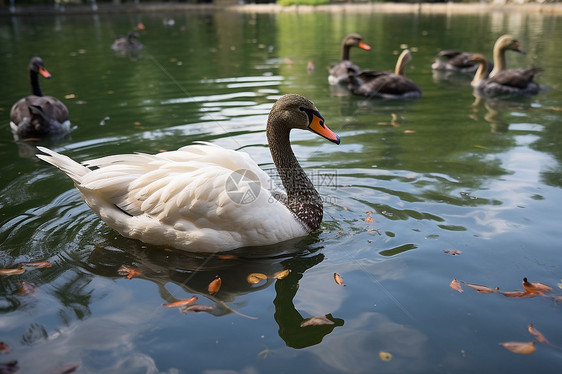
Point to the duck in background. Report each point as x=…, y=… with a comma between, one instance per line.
x=507, y=82
x=38, y=116
x=339, y=73
x=458, y=61
x=127, y=43
x=385, y=85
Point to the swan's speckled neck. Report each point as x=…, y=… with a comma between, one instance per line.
x=302, y=198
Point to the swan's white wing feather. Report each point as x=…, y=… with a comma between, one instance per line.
x=180, y=198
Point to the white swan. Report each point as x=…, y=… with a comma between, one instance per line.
x=204, y=198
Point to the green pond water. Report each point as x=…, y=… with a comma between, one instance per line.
x=410, y=180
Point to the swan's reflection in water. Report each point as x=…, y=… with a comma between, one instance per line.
x=193, y=273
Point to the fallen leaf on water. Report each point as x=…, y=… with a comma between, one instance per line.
x=214, y=286
x=338, y=279
x=197, y=308
x=535, y=287
x=227, y=257
x=137, y=123
x=4, y=348
x=128, y=271
x=480, y=288
x=519, y=294
x=409, y=131
x=13, y=271
x=38, y=264
x=519, y=348
x=455, y=285
x=181, y=303
x=26, y=289
x=537, y=334
x=453, y=252
x=369, y=219
x=281, y=274
x=316, y=321
x=255, y=278
x=385, y=356
x=70, y=96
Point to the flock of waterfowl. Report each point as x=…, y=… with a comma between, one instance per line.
x=184, y=198
x=490, y=78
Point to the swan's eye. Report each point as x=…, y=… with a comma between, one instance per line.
x=311, y=114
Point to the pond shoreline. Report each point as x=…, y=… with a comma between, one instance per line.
x=456, y=8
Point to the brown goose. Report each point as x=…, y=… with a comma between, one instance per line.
x=504, y=43
x=205, y=198
x=456, y=61
x=384, y=85
x=339, y=73
x=36, y=116
x=508, y=82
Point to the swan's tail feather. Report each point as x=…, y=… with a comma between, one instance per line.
x=72, y=168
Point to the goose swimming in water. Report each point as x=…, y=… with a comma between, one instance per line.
x=508, y=82
x=202, y=197
x=504, y=43
x=37, y=116
x=127, y=43
x=381, y=84
x=458, y=61
x=339, y=73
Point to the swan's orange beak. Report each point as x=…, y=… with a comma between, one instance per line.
x=364, y=46
x=318, y=126
x=44, y=72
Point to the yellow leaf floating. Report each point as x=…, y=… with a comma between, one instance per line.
x=255, y=278
x=385, y=356
x=281, y=274
x=519, y=348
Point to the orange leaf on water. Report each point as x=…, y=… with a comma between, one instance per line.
x=13, y=271
x=338, y=279
x=535, y=287
x=316, y=321
x=369, y=219
x=227, y=257
x=181, y=303
x=480, y=288
x=455, y=285
x=385, y=356
x=519, y=348
x=4, y=348
x=281, y=274
x=519, y=294
x=537, y=334
x=128, y=271
x=255, y=278
x=26, y=288
x=214, y=286
x=38, y=264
